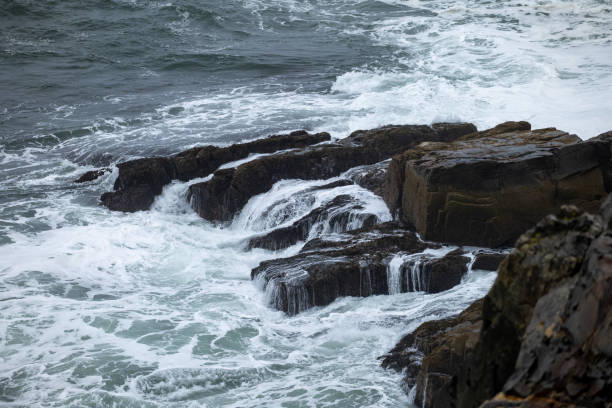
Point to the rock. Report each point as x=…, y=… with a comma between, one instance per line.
x=371, y=177
x=546, y=257
x=449, y=353
x=566, y=352
x=221, y=198
x=444, y=273
x=488, y=261
x=356, y=263
x=434, y=353
x=92, y=175
x=139, y=181
x=543, y=336
x=337, y=216
x=486, y=188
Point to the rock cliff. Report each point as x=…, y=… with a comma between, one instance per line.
x=487, y=188
x=544, y=335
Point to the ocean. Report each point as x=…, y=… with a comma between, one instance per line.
x=157, y=308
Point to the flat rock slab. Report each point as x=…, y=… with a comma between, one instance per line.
x=358, y=263
x=487, y=188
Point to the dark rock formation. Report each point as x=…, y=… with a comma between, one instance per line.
x=488, y=261
x=440, y=345
x=486, y=188
x=544, y=257
x=336, y=214
x=566, y=352
x=371, y=177
x=92, y=175
x=355, y=264
x=434, y=353
x=139, y=181
x=230, y=189
x=546, y=326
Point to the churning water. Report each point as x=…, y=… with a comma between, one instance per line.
x=156, y=309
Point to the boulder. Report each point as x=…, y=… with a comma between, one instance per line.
x=356, y=263
x=488, y=261
x=336, y=214
x=138, y=183
x=543, y=336
x=370, y=177
x=92, y=175
x=486, y=188
x=544, y=258
x=433, y=353
x=140, y=180
x=566, y=352
x=221, y=198
x=448, y=353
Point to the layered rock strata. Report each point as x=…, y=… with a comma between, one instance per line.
x=357, y=263
x=435, y=352
x=139, y=181
x=544, y=334
x=487, y=188
x=222, y=197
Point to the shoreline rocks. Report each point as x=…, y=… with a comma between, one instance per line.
x=357, y=263
x=487, y=188
x=543, y=336
x=92, y=175
x=433, y=353
x=222, y=197
x=141, y=180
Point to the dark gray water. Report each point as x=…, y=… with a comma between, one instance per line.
x=156, y=309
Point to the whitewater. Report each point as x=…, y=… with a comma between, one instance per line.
x=157, y=308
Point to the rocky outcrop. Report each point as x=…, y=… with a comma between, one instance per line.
x=370, y=177
x=544, y=257
x=488, y=261
x=92, y=175
x=487, y=188
x=221, y=198
x=566, y=353
x=433, y=353
x=335, y=215
x=546, y=326
x=139, y=181
x=357, y=263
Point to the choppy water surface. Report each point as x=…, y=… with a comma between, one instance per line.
x=157, y=309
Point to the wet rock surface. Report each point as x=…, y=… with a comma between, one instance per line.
x=566, y=354
x=410, y=351
x=487, y=188
x=543, y=336
x=356, y=263
x=92, y=175
x=543, y=258
x=337, y=216
x=434, y=353
x=141, y=180
x=488, y=261
x=221, y=198
x=371, y=177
